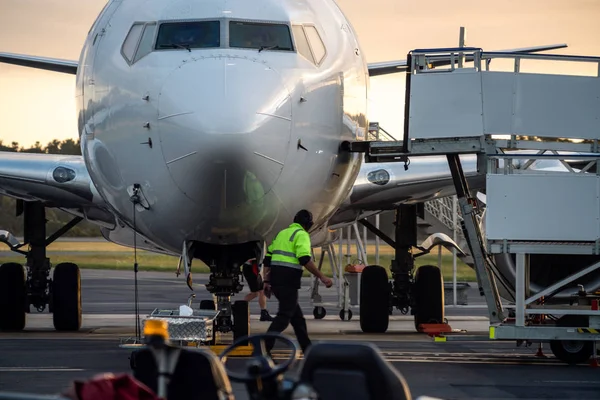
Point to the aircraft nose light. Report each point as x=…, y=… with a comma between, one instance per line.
x=379, y=177
x=63, y=174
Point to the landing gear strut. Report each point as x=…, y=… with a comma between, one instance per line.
x=224, y=282
x=20, y=288
x=422, y=294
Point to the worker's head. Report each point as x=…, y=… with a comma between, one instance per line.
x=304, y=218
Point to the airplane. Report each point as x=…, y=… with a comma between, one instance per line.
x=204, y=127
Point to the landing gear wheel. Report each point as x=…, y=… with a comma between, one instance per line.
x=13, y=297
x=66, y=297
x=429, y=296
x=345, y=315
x=319, y=312
x=572, y=351
x=241, y=319
x=374, y=300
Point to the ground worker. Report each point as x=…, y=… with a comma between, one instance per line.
x=285, y=257
x=252, y=275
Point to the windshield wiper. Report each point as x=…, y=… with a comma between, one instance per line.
x=272, y=48
x=176, y=46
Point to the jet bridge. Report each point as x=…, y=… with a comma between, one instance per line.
x=476, y=110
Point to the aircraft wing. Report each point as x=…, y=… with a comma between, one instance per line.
x=60, y=181
x=392, y=67
x=375, y=69
x=49, y=64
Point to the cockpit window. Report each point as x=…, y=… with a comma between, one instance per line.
x=261, y=36
x=189, y=35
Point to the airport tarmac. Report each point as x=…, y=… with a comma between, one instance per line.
x=111, y=292
x=45, y=362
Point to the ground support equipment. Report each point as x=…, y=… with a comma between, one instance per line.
x=196, y=330
x=341, y=284
x=458, y=111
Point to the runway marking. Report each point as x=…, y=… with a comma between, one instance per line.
x=454, y=358
x=40, y=369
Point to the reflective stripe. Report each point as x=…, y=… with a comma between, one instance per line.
x=294, y=235
x=287, y=245
x=284, y=253
x=286, y=264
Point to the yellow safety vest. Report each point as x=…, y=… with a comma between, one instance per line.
x=288, y=246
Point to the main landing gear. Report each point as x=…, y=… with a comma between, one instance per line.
x=225, y=266
x=22, y=288
x=422, y=293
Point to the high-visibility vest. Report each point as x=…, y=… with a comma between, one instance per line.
x=288, y=246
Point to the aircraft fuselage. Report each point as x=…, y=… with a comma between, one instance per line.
x=226, y=143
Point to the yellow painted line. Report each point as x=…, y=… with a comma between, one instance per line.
x=492, y=332
x=439, y=339
x=239, y=352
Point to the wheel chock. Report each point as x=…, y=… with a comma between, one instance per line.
x=540, y=353
x=434, y=329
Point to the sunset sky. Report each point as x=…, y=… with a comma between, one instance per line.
x=39, y=106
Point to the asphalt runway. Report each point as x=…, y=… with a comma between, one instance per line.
x=112, y=292
x=451, y=371
x=43, y=361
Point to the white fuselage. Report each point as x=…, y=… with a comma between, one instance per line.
x=240, y=139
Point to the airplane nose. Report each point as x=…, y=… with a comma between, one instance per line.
x=224, y=125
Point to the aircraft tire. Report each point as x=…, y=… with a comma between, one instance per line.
x=13, y=297
x=572, y=351
x=241, y=319
x=428, y=292
x=66, y=297
x=374, y=300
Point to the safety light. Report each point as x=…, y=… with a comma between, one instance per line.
x=156, y=327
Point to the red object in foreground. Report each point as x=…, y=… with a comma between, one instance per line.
x=108, y=386
x=434, y=329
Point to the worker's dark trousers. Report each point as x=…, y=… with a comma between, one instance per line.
x=289, y=312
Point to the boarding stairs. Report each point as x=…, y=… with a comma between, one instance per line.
x=476, y=110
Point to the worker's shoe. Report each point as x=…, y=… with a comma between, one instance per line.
x=265, y=316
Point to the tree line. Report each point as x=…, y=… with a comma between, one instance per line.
x=56, y=218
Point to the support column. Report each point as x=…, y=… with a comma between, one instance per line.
x=403, y=263
x=38, y=265
x=474, y=239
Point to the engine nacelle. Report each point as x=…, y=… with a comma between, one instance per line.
x=324, y=236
